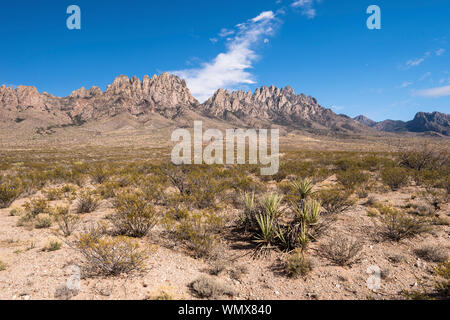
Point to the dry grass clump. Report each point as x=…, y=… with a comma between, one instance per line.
x=432, y=253
x=297, y=265
x=52, y=245
x=43, y=221
x=135, y=216
x=342, y=251
x=397, y=225
x=109, y=256
x=87, y=202
x=3, y=266
x=208, y=287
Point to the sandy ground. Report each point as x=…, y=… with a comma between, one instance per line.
x=34, y=274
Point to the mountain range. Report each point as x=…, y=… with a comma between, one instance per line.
x=168, y=98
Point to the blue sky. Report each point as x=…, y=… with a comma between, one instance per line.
x=320, y=48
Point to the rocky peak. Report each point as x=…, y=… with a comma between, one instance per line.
x=365, y=121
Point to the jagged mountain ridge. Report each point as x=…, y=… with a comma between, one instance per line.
x=435, y=122
x=167, y=96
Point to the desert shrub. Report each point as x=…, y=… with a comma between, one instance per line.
x=394, y=177
x=67, y=222
x=100, y=174
x=297, y=265
x=110, y=256
x=342, y=251
x=218, y=266
x=86, y=203
x=134, y=216
x=199, y=230
x=108, y=190
x=432, y=253
x=36, y=206
x=53, y=245
x=207, y=287
x=352, y=178
x=266, y=219
x=9, y=192
x=53, y=193
x=3, y=266
x=423, y=158
x=335, y=200
x=397, y=225
x=441, y=288
x=43, y=221
x=237, y=272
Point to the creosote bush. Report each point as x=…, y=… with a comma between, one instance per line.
x=135, y=215
x=67, y=222
x=9, y=192
x=432, y=253
x=335, y=200
x=110, y=256
x=352, y=178
x=36, y=206
x=87, y=203
x=395, y=178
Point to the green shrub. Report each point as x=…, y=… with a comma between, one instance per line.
x=352, y=178
x=37, y=206
x=3, y=266
x=335, y=200
x=134, y=216
x=200, y=230
x=395, y=178
x=67, y=222
x=9, y=192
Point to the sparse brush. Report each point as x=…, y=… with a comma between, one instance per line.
x=43, y=221
x=100, y=174
x=53, y=245
x=9, y=192
x=395, y=178
x=297, y=265
x=397, y=225
x=134, y=216
x=352, y=178
x=207, y=287
x=200, y=230
x=37, y=206
x=432, y=253
x=342, y=251
x=67, y=222
x=335, y=200
x=110, y=256
x=237, y=272
x=3, y=266
x=86, y=203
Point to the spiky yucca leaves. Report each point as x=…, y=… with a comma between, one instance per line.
x=297, y=234
x=267, y=221
x=303, y=188
x=247, y=217
x=271, y=204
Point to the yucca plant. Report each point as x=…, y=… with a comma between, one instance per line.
x=246, y=219
x=267, y=230
x=271, y=204
x=303, y=188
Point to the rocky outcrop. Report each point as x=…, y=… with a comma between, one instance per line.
x=365, y=121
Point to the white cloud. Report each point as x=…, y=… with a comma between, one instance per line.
x=414, y=62
x=230, y=68
x=406, y=84
x=440, y=52
x=435, y=92
x=307, y=7
x=225, y=33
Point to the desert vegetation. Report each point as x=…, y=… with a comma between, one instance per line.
x=322, y=210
